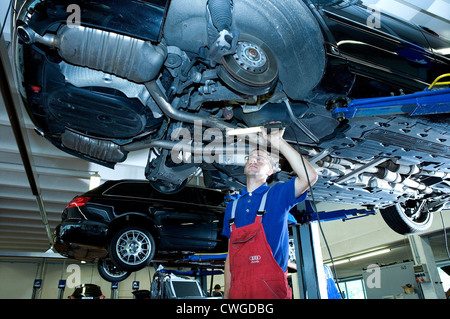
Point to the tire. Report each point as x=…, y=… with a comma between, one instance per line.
x=110, y=272
x=300, y=54
x=132, y=248
x=399, y=218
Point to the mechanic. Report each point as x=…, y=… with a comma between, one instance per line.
x=217, y=291
x=258, y=253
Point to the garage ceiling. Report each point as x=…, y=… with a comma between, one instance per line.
x=60, y=176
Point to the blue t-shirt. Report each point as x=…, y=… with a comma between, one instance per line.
x=280, y=200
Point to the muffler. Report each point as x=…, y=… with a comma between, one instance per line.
x=131, y=58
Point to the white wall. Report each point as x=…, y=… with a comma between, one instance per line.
x=353, y=236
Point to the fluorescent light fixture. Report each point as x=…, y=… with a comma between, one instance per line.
x=244, y=131
x=343, y=261
x=375, y=253
x=346, y=260
x=94, y=181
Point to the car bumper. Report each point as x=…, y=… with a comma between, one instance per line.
x=81, y=240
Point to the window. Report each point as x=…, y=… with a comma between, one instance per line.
x=186, y=195
x=188, y=288
x=128, y=189
x=445, y=278
x=353, y=289
x=211, y=198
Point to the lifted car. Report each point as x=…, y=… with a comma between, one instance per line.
x=104, y=78
x=122, y=225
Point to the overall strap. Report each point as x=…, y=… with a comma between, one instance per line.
x=233, y=213
x=262, y=206
x=260, y=212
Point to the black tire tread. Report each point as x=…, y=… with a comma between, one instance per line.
x=396, y=219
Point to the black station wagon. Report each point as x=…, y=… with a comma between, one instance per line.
x=122, y=225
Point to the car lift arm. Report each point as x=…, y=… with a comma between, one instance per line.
x=429, y=101
x=344, y=214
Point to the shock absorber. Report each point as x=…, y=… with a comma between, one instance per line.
x=220, y=11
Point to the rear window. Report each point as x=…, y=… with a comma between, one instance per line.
x=131, y=190
x=88, y=290
x=145, y=190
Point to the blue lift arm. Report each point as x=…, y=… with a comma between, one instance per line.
x=429, y=101
x=344, y=214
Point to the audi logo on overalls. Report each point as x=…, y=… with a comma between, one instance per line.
x=255, y=259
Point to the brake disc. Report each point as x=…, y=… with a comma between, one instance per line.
x=252, y=69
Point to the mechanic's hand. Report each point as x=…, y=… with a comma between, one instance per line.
x=275, y=130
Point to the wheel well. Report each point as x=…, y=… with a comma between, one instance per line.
x=132, y=219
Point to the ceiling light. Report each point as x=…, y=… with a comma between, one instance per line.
x=375, y=253
x=94, y=181
x=342, y=261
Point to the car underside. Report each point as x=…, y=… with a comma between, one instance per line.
x=132, y=75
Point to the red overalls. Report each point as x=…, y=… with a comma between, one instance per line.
x=255, y=274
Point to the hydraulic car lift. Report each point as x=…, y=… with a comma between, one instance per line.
x=312, y=281
x=432, y=100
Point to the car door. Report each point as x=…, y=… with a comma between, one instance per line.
x=380, y=46
x=184, y=223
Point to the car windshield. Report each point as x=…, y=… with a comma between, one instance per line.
x=186, y=289
x=87, y=290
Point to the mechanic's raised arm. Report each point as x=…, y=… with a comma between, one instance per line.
x=306, y=174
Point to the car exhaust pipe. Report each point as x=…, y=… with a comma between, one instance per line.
x=99, y=149
x=225, y=150
x=29, y=36
x=110, y=152
x=167, y=108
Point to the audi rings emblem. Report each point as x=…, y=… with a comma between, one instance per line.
x=255, y=259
